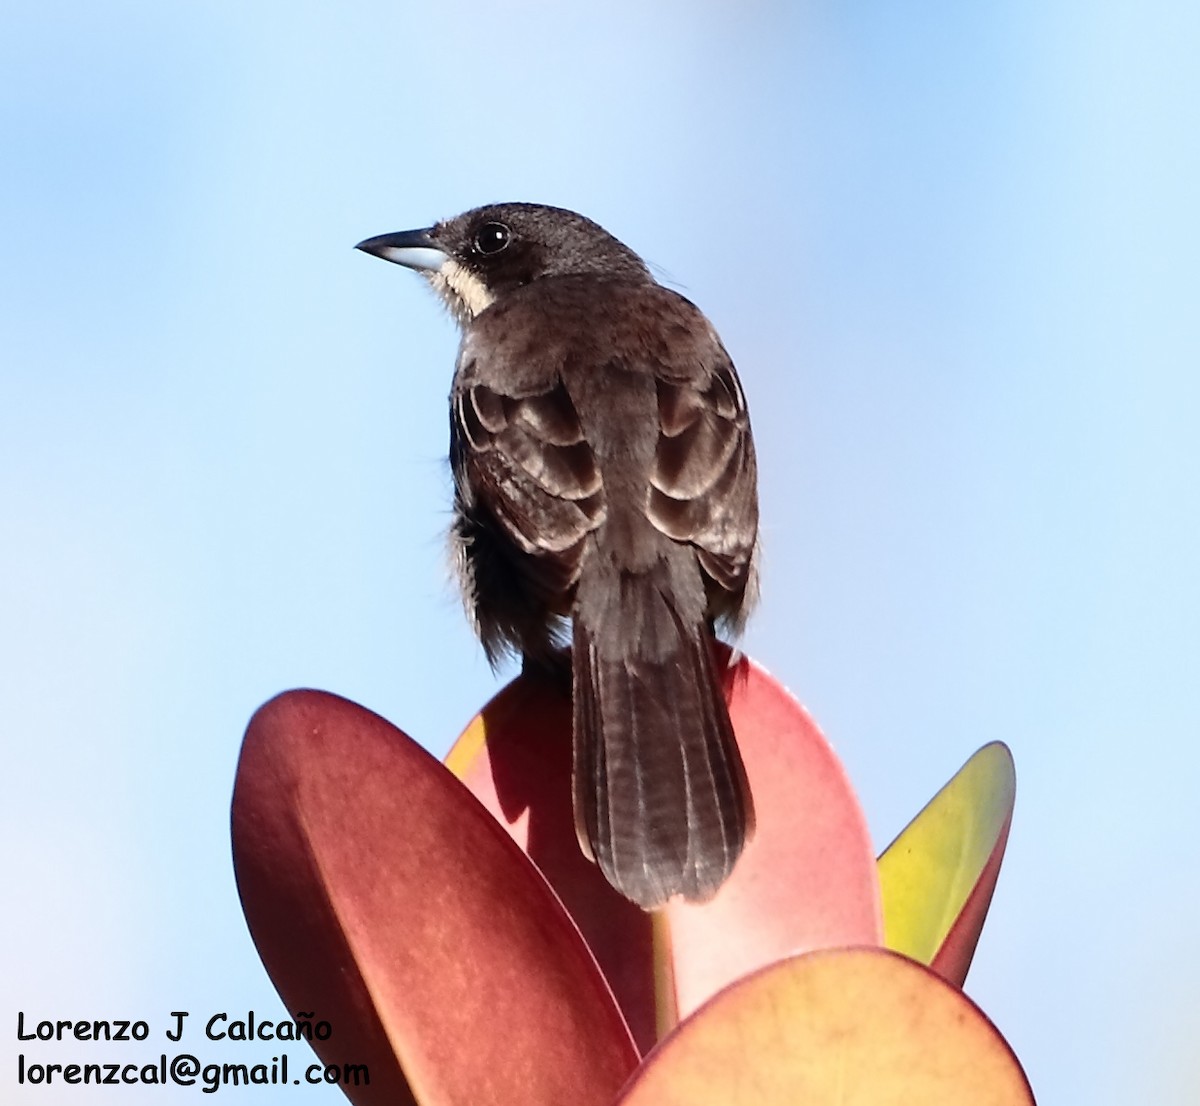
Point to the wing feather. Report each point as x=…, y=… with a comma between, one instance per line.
x=703, y=487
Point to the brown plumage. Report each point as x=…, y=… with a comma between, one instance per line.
x=605, y=497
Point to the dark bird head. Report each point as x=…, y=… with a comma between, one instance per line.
x=476, y=257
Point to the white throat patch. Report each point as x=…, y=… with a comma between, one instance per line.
x=462, y=292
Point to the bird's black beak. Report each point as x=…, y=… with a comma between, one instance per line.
x=415, y=249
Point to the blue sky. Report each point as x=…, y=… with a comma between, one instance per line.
x=952, y=250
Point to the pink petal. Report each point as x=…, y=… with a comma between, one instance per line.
x=807, y=880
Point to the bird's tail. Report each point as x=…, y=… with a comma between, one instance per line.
x=661, y=801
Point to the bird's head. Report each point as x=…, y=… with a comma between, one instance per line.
x=476, y=257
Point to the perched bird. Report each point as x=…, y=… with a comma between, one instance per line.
x=605, y=497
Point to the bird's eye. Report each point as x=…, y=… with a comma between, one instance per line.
x=492, y=237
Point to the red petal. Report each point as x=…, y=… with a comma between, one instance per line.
x=387, y=902
x=515, y=756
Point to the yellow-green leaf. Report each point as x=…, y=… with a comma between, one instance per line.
x=937, y=877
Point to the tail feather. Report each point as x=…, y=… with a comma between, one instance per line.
x=661, y=801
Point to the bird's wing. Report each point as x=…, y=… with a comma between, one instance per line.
x=520, y=454
x=703, y=486
x=530, y=463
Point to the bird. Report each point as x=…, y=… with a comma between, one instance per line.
x=605, y=508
